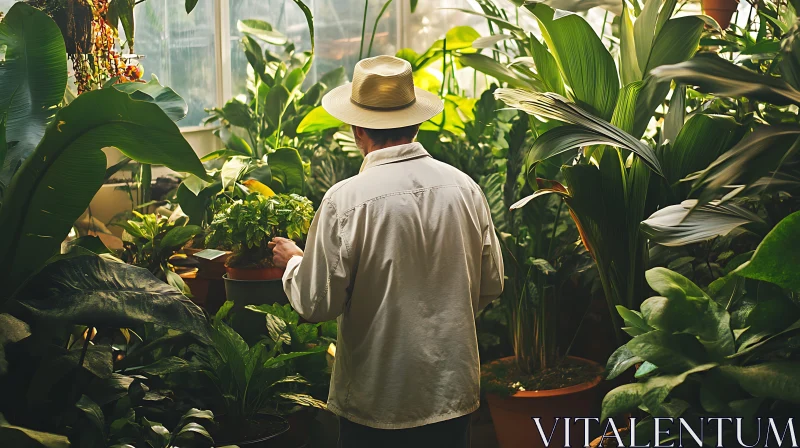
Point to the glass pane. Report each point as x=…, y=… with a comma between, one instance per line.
x=179, y=49
x=338, y=32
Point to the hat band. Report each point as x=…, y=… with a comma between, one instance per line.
x=387, y=108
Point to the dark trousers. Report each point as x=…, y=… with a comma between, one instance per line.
x=453, y=433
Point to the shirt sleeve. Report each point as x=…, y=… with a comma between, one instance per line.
x=317, y=283
x=492, y=272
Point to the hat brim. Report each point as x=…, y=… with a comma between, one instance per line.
x=337, y=103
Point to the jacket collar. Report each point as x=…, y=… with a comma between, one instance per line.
x=394, y=154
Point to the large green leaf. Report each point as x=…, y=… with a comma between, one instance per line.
x=670, y=352
x=651, y=393
x=677, y=42
x=56, y=184
x=776, y=380
x=11, y=330
x=547, y=67
x=621, y=360
x=287, y=171
x=170, y=102
x=261, y=30
x=33, y=78
x=318, y=120
x=685, y=308
x=752, y=158
x=489, y=66
x=585, y=63
x=88, y=290
x=700, y=140
x=277, y=102
x=555, y=107
x=178, y=236
x=686, y=223
x=777, y=259
x=238, y=114
x=20, y=437
x=713, y=74
x=628, y=65
x=121, y=11
x=644, y=32
x=460, y=37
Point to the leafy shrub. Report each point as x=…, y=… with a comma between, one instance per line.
x=246, y=226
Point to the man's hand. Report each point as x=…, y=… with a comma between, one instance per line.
x=282, y=250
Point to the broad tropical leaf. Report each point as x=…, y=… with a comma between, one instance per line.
x=318, y=120
x=88, y=290
x=776, y=380
x=170, y=102
x=621, y=360
x=687, y=223
x=713, y=74
x=651, y=393
x=585, y=63
x=629, y=65
x=677, y=42
x=777, y=259
x=555, y=107
x=682, y=307
x=547, y=67
x=33, y=78
x=753, y=157
x=53, y=188
x=20, y=437
x=287, y=171
x=261, y=30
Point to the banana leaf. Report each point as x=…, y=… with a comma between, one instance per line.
x=55, y=185
x=89, y=290
x=33, y=78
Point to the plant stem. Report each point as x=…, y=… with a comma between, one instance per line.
x=85, y=346
x=363, y=29
x=375, y=26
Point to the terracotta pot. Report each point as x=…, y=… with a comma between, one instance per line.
x=720, y=10
x=513, y=416
x=198, y=287
x=254, y=274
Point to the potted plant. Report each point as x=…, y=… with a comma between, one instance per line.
x=253, y=385
x=730, y=351
x=246, y=227
x=542, y=265
x=150, y=240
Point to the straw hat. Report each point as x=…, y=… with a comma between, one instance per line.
x=382, y=96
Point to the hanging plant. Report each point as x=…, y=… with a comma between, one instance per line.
x=90, y=33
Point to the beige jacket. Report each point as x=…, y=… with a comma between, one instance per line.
x=405, y=255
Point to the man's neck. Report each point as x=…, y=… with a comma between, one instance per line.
x=389, y=145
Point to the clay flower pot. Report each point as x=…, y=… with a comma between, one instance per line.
x=720, y=10
x=513, y=416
